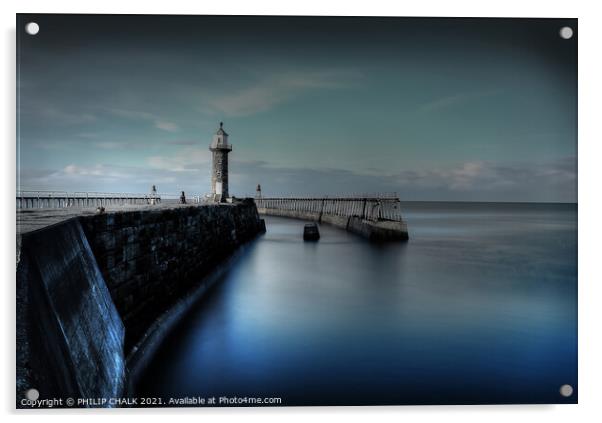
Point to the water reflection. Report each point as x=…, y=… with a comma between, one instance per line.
x=479, y=307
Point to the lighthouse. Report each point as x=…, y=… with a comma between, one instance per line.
x=219, y=174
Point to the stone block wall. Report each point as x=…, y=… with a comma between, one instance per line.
x=90, y=287
x=149, y=259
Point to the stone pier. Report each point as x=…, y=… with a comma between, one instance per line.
x=377, y=218
x=90, y=287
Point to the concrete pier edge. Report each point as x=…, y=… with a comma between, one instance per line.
x=381, y=231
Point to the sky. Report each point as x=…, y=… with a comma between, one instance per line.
x=432, y=109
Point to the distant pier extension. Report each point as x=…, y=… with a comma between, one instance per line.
x=376, y=217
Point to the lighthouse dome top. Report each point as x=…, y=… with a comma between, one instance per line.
x=220, y=139
x=221, y=131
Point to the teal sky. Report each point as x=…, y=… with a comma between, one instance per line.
x=434, y=109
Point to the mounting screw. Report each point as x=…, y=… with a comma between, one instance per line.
x=32, y=28
x=566, y=390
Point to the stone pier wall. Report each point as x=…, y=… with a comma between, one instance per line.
x=90, y=287
x=150, y=258
x=381, y=231
x=70, y=336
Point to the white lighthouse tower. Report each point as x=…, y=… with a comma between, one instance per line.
x=219, y=174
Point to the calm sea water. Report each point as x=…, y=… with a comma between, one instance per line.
x=480, y=306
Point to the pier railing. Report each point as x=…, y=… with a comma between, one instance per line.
x=375, y=207
x=28, y=199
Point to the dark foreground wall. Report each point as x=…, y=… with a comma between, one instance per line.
x=381, y=231
x=70, y=328
x=89, y=288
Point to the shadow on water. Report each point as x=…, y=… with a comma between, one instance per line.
x=479, y=307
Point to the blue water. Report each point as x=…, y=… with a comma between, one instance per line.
x=480, y=306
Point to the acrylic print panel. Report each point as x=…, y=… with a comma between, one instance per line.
x=276, y=211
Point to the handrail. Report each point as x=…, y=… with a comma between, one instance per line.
x=84, y=194
x=375, y=208
x=37, y=199
x=342, y=196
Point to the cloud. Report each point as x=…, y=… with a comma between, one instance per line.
x=109, y=178
x=466, y=176
x=454, y=100
x=190, y=159
x=553, y=180
x=129, y=114
x=272, y=90
x=84, y=171
x=185, y=142
x=110, y=145
x=189, y=170
x=166, y=126
x=491, y=178
x=41, y=111
x=158, y=122
x=87, y=135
